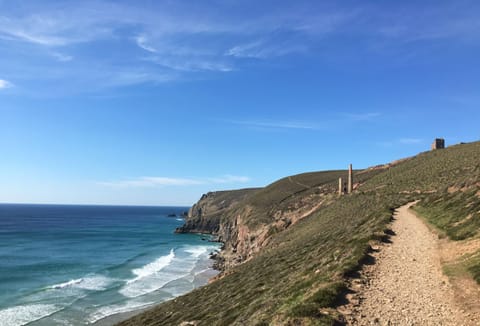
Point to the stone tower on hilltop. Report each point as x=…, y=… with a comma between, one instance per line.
x=344, y=187
x=350, y=179
x=438, y=143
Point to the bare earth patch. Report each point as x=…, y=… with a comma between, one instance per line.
x=405, y=284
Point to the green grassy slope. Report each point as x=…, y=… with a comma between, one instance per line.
x=298, y=277
x=285, y=192
x=278, y=194
x=432, y=171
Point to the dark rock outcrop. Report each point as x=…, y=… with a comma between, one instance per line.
x=205, y=216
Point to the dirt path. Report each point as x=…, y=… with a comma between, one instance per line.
x=298, y=183
x=405, y=285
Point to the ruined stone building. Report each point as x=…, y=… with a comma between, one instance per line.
x=438, y=143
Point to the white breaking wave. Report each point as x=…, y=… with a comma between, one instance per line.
x=152, y=267
x=197, y=251
x=92, y=283
x=116, y=309
x=164, y=270
x=66, y=284
x=22, y=315
x=95, y=283
x=153, y=276
x=202, y=271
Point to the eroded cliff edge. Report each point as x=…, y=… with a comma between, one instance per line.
x=205, y=215
x=245, y=220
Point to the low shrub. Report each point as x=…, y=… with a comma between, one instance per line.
x=328, y=296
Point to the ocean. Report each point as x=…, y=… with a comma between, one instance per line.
x=76, y=265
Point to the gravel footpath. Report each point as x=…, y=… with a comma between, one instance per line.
x=405, y=285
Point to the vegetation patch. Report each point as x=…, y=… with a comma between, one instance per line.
x=307, y=309
x=457, y=213
x=474, y=267
x=475, y=270
x=328, y=296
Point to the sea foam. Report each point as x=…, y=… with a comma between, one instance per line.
x=117, y=309
x=25, y=314
x=162, y=271
x=153, y=267
x=92, y=283
x=66, y=284
x=197, y=251
x=150, y=277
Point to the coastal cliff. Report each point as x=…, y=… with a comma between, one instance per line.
x=291, y=247
x=245, y=220
x=205, y=216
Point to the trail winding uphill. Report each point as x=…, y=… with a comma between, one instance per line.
x=405, y=285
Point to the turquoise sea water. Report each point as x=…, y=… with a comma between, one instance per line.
x=75, y=265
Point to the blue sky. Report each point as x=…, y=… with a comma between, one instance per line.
x=157, y=102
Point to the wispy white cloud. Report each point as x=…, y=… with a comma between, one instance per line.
x=8, y=33
x=154, y=182
x=151, y=182
x=275, y=124
x=410, y=141
x=40, y=29
x=401, y=141
x=192, y=64
x=5, y=84
x=143, y=43
x=62, y=57
x=230, y=179
x=365, y=116
x=264, y=50
x=191, y=38
x=386, y=144
x=133, y=77
x=249, y=50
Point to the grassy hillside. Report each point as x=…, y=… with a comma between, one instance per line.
x=286, y=192
x=297, y=279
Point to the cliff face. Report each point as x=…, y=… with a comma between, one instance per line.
x=205, y=216
x=245, y=220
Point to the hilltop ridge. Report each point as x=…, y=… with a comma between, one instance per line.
x=291, y=246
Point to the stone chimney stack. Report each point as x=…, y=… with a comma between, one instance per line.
x=350, y=179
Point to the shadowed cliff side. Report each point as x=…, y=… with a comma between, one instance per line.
x=205, y=215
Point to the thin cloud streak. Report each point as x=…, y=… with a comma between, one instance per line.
x=190, y=65
x=230, y=179
x=367, y=116
x=275, y=124
x=143, y=43
x=408, y=141
x=62, y=57
x=5, y=84
x=156, y=182
x=262, y=50
x=401, y=141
